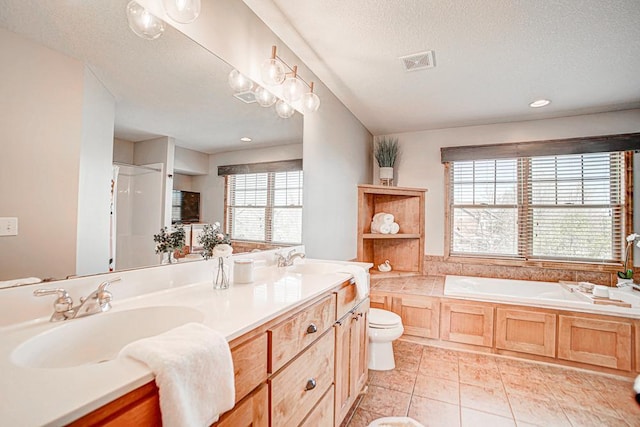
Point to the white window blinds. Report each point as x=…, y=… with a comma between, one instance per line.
x=265, y=207
x=565, y=207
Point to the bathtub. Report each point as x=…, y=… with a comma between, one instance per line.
x=537, y=294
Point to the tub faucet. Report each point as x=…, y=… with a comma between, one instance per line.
x=97, y=302
x=288, y=260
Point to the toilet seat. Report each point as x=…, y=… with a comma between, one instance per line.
x=383, y=319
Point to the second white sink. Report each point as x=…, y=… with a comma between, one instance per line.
x=99, y=338
x=315, y=268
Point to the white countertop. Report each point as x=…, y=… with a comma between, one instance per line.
x=37, y=396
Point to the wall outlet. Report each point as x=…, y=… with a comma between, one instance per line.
x=8, y=226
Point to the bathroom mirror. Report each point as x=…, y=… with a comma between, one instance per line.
x=73, y=72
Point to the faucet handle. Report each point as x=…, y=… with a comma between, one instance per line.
x=103, y=296
x=62, y=305
x=103, y=286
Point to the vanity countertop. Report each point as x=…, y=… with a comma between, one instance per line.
x=37, y=396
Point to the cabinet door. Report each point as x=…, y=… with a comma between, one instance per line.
x=467, y=323
x=252, y=411
x=420, y=315
x=526, y=331
x=343, y=367
x=360, y=350
x=379, y=301
x=596, y=342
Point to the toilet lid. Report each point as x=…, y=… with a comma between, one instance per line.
x=383, y=319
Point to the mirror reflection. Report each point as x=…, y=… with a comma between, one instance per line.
x=100, y=127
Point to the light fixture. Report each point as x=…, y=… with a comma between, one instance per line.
x=283, y=109
x=143, y=23
x=239, y=82
x=182, y=11
x=310, y=101
x=272, y=70
x=245, y=139
x=264, y=98
x=540, y=103
x=292, y=88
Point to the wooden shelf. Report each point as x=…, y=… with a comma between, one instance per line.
x=391, y=236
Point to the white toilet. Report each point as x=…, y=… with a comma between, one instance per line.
x=384, y=327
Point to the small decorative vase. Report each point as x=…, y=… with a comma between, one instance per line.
x=221, y=275
x=386, y=176
x=168, y=258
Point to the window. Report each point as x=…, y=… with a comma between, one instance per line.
x=265, y=207
x=559, y=207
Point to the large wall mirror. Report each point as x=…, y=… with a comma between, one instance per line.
x=86, y=103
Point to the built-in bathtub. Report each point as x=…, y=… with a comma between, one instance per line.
x=537, y=294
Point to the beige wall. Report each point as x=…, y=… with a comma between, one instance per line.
x=41, y=122
x=419, y=163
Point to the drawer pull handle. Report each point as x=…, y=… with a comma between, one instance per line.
x=312, y=329
x=311, y=384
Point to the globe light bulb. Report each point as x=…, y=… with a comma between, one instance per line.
x=292, y=89
x=272, y=72
x=239, y=82
x=142, y=23
x=283, y=109
x=310, y=102
x=264, y=98
x=182, y=11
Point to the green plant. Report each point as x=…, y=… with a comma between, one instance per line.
x=168, y=242
x=386, y=151
x=214, y=242
x=628, y=272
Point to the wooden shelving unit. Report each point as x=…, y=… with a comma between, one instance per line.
x=405, y=250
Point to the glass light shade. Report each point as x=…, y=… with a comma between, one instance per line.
x=239, y=82
x=272, y=72
x=310, y=102
x=143, y=23
x=264, y=98
x=183, y=11
x=283, y=109
x=292, y=89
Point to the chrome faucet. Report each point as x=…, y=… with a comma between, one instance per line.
x=97, y=302
x=288, y=260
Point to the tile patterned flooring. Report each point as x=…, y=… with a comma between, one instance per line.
x=448, y=388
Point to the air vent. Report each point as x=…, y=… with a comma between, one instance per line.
x=418, y=61
x=248, y=97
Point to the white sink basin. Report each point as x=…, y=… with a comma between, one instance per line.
x=100, y=337
x=314, y=268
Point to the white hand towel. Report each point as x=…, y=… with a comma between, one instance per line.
x=383, y=217
x=380, y=228
x=395, y=228
x=361, y=278
x=194, y=373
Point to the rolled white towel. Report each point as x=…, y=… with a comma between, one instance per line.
x=383, y=217
x=395, y=228
x=380, y=228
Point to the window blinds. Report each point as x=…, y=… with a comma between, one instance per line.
x=559, y=207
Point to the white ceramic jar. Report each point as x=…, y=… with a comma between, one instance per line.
x=243, y=271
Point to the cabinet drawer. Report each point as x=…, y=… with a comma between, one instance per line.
x=250, y=365
x=294, y=334
x=297, y=389
x=346, y=300
x=252, y=411
x=322, y=414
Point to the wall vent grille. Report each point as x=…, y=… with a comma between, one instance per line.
x=418, y=61
x=248, y=97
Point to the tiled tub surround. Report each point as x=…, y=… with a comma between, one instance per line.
x=439, y=266
x=576, y=333
x=57, y=396
x=450, y=388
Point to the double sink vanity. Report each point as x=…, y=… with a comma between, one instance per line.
x=298, y=338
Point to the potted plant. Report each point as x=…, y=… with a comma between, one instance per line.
x=167, y=242
x=626, y=276
x=386, y=153
x=216, y=244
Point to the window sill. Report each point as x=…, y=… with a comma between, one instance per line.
x=555, y=265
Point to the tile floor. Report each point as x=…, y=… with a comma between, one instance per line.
x=439, y=387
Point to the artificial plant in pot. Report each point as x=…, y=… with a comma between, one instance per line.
x=386, y=153
x=216, y=244
x=627, y=274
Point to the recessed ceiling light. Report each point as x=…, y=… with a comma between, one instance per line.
x=245, y=139
x=540, y=103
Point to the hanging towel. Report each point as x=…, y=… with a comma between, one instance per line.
x=361, y=278
x=395, y=228
x=194, y=373
x=383, y=217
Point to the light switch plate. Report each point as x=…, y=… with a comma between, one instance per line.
x=8, y=226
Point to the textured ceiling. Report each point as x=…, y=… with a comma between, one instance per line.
x=166, y=87
x=493, y=57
